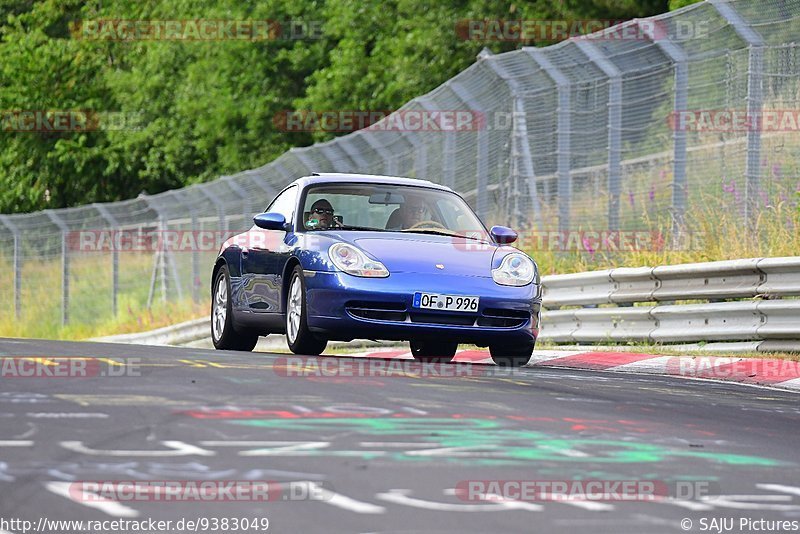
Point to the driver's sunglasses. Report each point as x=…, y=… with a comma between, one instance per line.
x=320, y=211
x=416, y=209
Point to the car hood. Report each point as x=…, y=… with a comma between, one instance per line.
x=418, y=253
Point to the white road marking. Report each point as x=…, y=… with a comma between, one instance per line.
x=592, y=506
x=178, y=448
x=689, y=505
x=751, y=502
x=402, y=497
x=342, y=501
x=793, y=490
x=16, y=443
x=112, y=508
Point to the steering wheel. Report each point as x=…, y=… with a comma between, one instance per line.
x=427, y=224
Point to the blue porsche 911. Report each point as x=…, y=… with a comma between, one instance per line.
x=349, y=256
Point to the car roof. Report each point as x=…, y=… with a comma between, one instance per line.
x=342, y=177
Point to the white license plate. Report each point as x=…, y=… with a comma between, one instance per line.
x=435, y=301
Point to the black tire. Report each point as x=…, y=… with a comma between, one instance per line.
x=303, y=341
x=223, y=334
x=511, y=357
x=433, y=351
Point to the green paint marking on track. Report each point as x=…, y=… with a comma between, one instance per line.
x=486, y=441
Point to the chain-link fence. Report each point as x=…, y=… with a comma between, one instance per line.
x=633, y=128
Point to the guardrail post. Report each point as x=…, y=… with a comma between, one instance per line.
x=755, y=74
x=564, y=151
x=112, y=223
x=17, y=264
x=58, y=221
x=679, y=183
x=481, y=151
x=614, y=75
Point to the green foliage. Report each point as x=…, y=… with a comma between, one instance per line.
x=676, y=4
x=207, y=108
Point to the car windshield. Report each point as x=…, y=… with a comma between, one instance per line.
x=392, y=208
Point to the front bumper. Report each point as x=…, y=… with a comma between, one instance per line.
x=344, y=307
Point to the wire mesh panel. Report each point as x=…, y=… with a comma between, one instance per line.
x=656, y=124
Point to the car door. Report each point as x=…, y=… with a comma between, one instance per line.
x=265, y=255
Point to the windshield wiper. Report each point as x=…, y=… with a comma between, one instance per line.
x=351, y=227
x=441, y=232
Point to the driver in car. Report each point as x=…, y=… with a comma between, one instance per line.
x=320, y=216
x=408, y=215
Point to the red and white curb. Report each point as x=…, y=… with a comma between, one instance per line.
x=783, y=374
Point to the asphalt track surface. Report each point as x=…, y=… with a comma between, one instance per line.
x=389, y=450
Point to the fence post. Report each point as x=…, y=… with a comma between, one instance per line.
x=389, y=163
x=520, y=145
x=112, y=223
x=248, y=212
x=328, y=151
x=223, y=219
x=448, y=145
x=58, y=221
x=355, y=155
x=755, y=95
x=302, y=157
x=614, y=122
x=283, y=170
x=261, y=182
x=165, y=256
x=481, y=151
x=677, y=55
x=191, y=210
x=420, y=153
x=6, y=220
x=564, y=151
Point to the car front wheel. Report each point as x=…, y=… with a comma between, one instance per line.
x=433, y=351
x=300, y=339
x=223, y=335
x=511, y=357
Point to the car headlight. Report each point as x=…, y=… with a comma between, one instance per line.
x=516, y=269
x=353, y=261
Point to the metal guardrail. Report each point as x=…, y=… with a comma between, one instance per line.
x=745, y=302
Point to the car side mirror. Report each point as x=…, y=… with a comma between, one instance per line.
x=270, y=221
x=503, y=235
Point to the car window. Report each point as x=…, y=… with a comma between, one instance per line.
x=285, y=203
x=388, y=207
